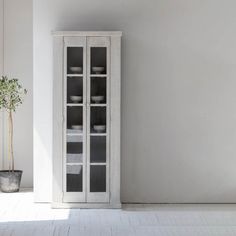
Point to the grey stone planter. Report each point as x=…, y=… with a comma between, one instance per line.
x=10, y=181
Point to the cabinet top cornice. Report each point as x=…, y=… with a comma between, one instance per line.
x=86, y=33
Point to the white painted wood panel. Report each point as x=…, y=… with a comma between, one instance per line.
x=87, y=33
x=115, y=118
x=58, y=119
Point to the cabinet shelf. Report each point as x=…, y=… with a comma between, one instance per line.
x=74, y=75
x=98, y=104
x=90, y=104
x=75, y=104
x=74, y=164
x=74, y=132
x=98, y=134
x=71, y=134
x=98, y=163
x=98, y=75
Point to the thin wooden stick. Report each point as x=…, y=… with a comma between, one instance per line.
x=12, y=156
x=9, y=141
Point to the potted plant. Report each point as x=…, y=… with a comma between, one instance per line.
x=11, y=96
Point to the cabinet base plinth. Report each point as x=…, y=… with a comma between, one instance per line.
x=86, y=205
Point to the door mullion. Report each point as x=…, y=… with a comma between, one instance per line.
x=84, y=118
x=88, y=119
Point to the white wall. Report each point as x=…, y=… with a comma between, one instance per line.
x=18, y=63
x=178, y=94
x=1, y=35
x=1, y=72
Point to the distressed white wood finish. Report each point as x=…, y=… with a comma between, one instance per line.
x=110, y=199
x=87, y=33
x=115, y=118
x=58, y=103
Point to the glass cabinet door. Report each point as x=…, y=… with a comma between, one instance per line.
x=98, y=119
x=87, y=119
x=75, y=119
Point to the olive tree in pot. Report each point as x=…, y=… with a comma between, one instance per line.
x=11, y=96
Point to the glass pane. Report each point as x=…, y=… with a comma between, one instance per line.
x=98, y=119
x=74, y=148
x=74, y=119
x=74, y=178
x=74, y=60
x=74, y=152
x=98, y=178
x=98, y=149
x=98, y=90
x=74, y=139
x=98, y=60
x=74, y=89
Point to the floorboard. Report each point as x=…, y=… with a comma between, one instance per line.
x=20, y=216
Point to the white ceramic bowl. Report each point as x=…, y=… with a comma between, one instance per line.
x=98, y=69
x=97, y=99
x=99, y=128
x=76, y=69
x=76, y=98
x=77, y=127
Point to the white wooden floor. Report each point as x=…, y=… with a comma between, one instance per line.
x=20, y=216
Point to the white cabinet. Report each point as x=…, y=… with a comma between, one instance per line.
x=86, y=119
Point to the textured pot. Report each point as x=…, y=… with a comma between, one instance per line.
x=10, y=181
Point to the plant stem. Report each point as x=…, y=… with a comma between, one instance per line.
x=11, y=143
